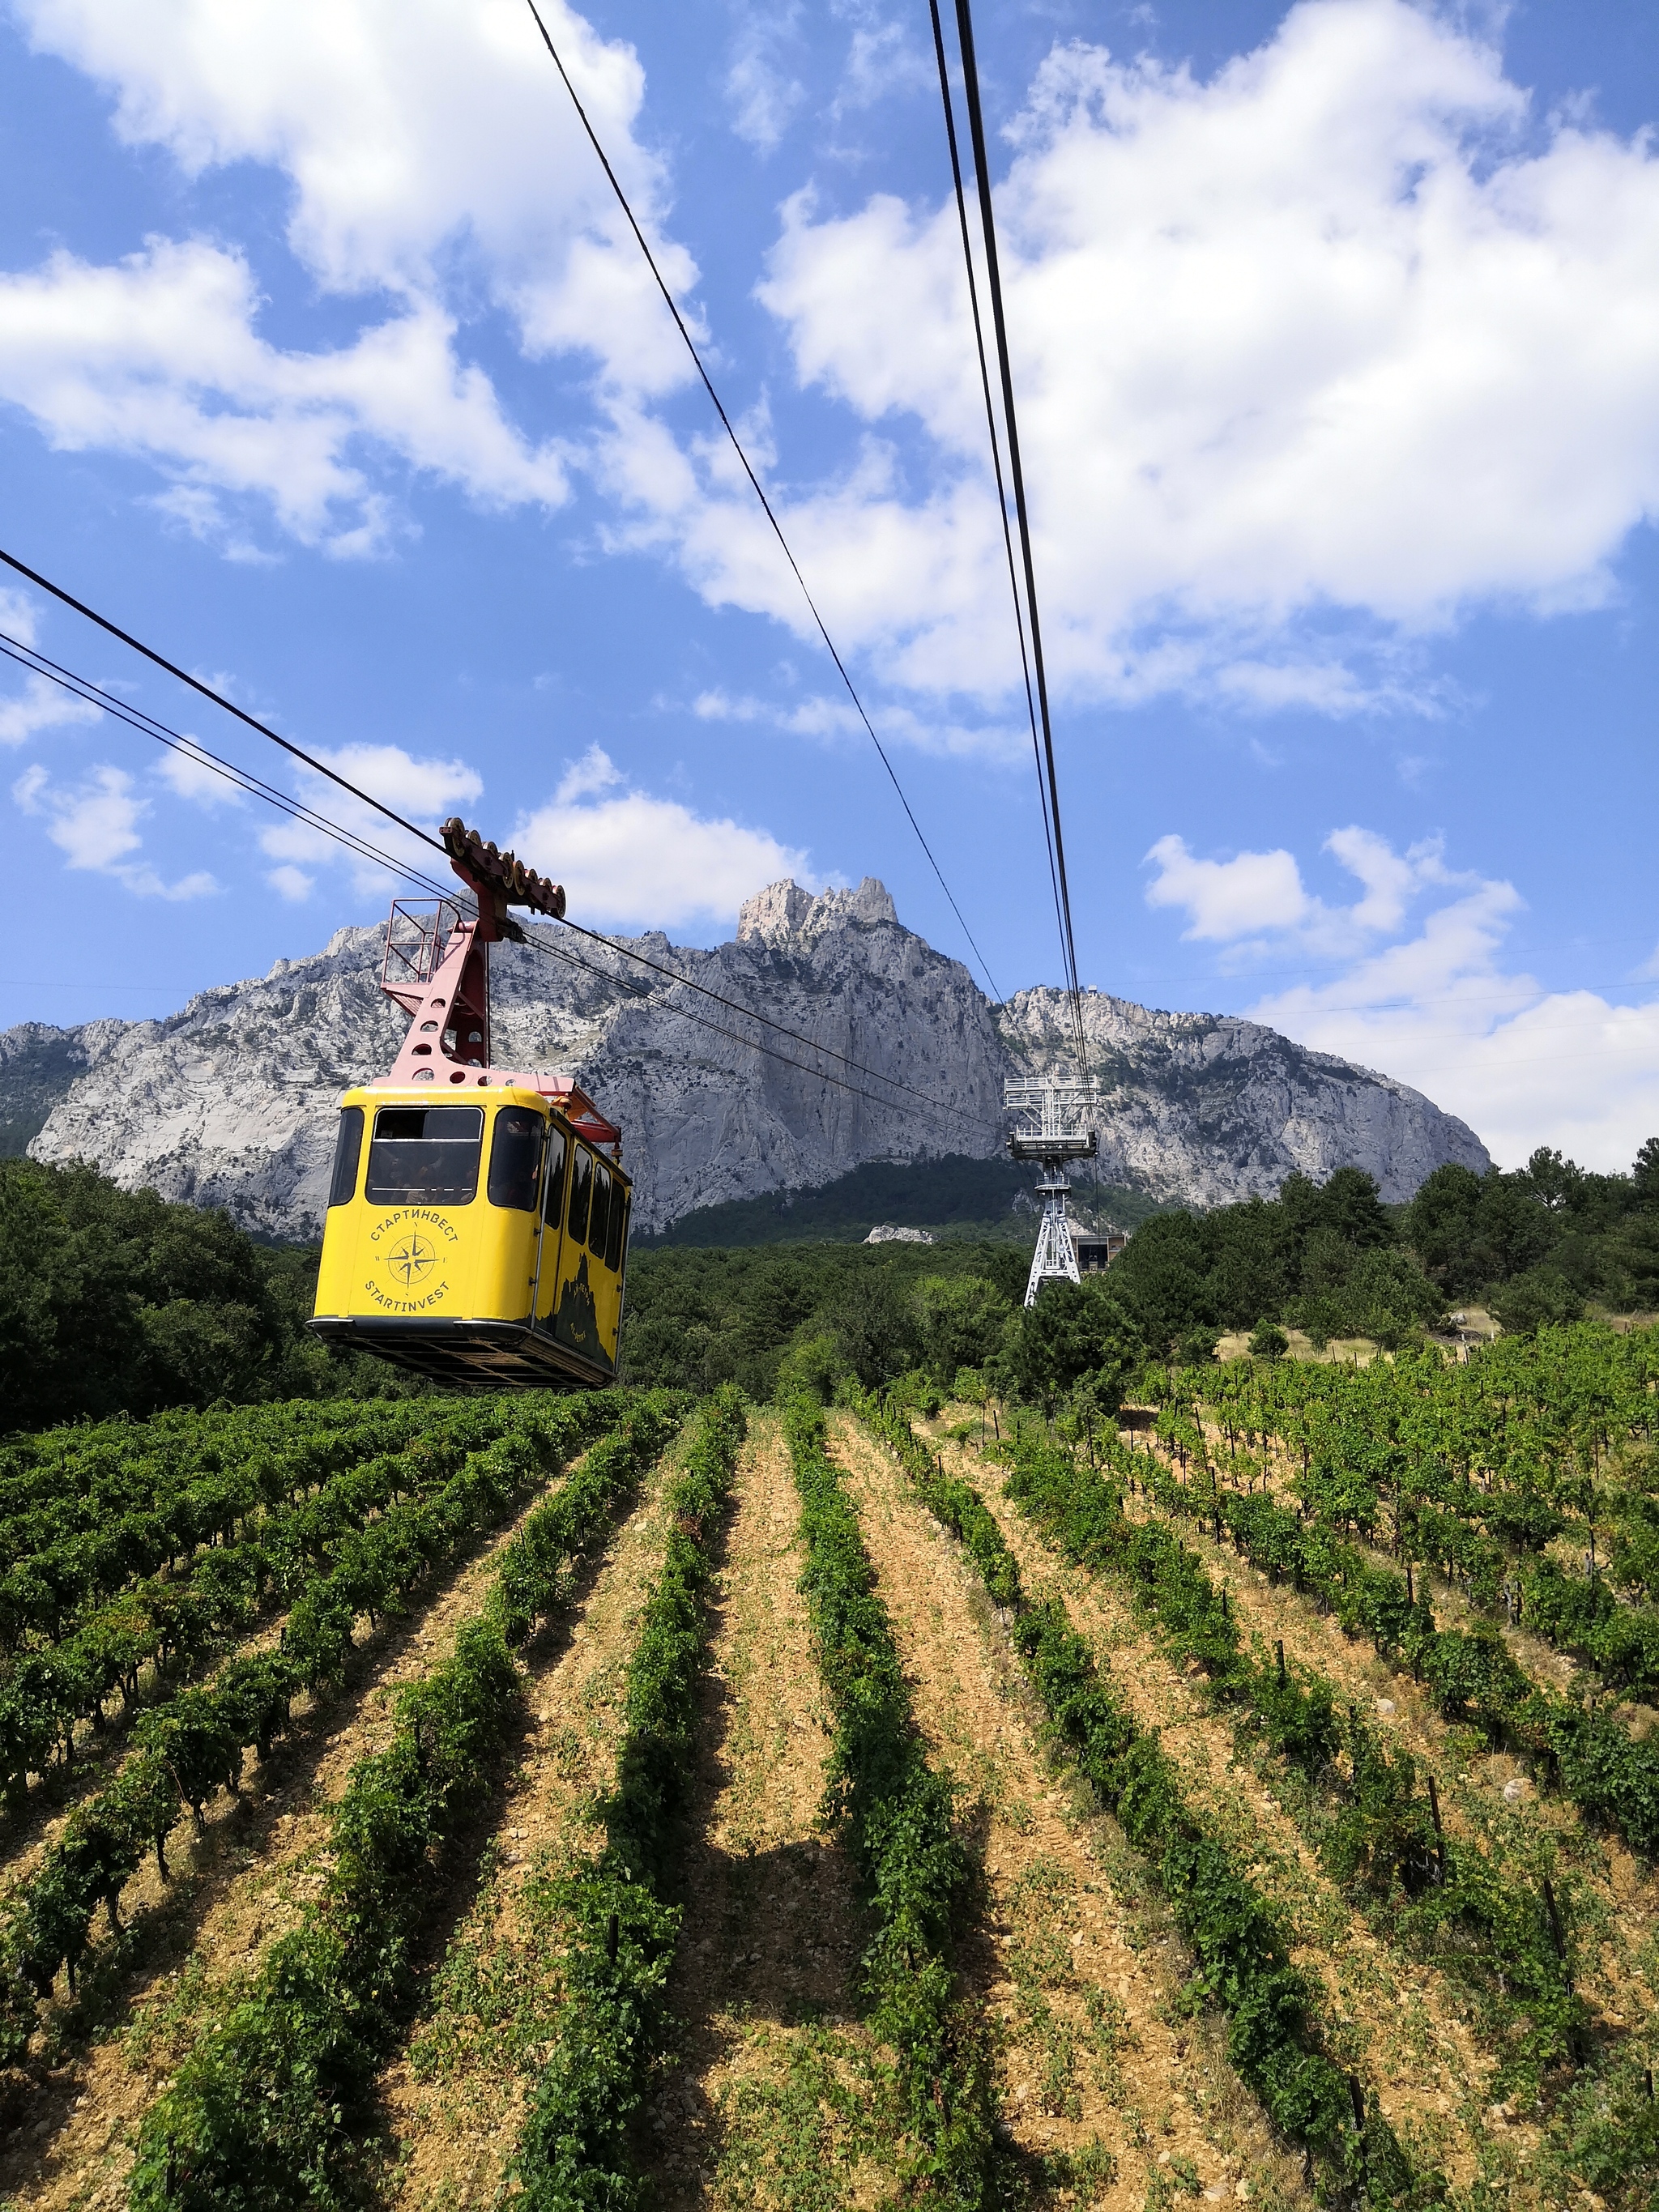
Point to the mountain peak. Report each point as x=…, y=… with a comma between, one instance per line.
x=232, y=1101
x=784, y=910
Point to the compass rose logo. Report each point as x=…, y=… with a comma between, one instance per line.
x=411, y=1260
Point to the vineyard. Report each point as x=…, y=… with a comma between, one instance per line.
x=636, y=1798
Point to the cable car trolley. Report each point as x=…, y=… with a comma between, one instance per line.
x=477, y=1215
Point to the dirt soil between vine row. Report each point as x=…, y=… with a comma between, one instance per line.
x=763, y=1975
x=1392, y=2021
x=1397, y=2022
x=1074, y=1960
x=244, y=1880
x=453, y=2102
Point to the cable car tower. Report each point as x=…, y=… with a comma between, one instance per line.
x=1057, y=1124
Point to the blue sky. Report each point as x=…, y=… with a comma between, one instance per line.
x=326, y=367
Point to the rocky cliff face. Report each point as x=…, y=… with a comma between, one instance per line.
x=1208, y=1109
x=231, y=1101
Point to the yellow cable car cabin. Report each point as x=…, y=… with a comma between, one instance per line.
x=478, y=1218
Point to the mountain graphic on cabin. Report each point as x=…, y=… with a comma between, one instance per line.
x=577, y=1323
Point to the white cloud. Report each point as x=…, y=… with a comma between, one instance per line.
x=628, y=858
x=831, y=720
x=188, y=773
x=1334, y=329
x=19, y=615
x=434, y=160
x=883, y=59
x=1312, y=356
x=761, y=91
x=96, y=827
x=423, y=790
x=1240, y=902
x=1227, y=899
x=1435, y=1006
x=594, y=773
x=291, y=882
x=159, y=356
x=42, y=705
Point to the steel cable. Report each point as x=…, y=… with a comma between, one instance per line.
x=766, y=505
x=80, y=687
x=996, y=442
x=998, y=322
x=207, y=692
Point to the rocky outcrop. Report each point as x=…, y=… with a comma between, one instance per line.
x=1206, y=1109
x=884, y=1049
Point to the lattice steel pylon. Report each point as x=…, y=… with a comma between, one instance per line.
x=1057, y=1125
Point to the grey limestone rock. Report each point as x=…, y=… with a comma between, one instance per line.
x=231, y=1101
x=1206, y=1108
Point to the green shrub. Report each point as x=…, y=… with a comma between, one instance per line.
x=813, y=1365
x=1540, y=1297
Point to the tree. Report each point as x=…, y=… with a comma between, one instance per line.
x=1442, y=1223
x=1163, y=1277
x=874, y=1321
x=1471, y=1231
x=1073, y=1330
x=1252, y=1263
x=115, y=1301
x=1389, y=1299
x=1350, y=1203
x=813, y=1364
x=1553, y=1179
x=961, y=1319
x=1539, y=1297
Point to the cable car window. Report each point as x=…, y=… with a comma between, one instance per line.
x=599, y=1227
x=347, y=1156
x=555, y=1212
x=582, y=1192
x=515, y=1158
x=618, y=1236
x=425, y=1156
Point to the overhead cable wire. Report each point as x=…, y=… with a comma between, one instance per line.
x=1000, y=325
x=207, y=692
x=680, y=325
x=736, y=1006
x=192, y=749
x=996, y=441
x=645, y=992
x=242, y=779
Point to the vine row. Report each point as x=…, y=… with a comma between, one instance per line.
x=194, y=1743
x=619, y=1911
x=177, y=1620
x=1244, y=1968
x=268, y=2110
x=1473, y=1676
x=898, y=1816
x=1384, y=1841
